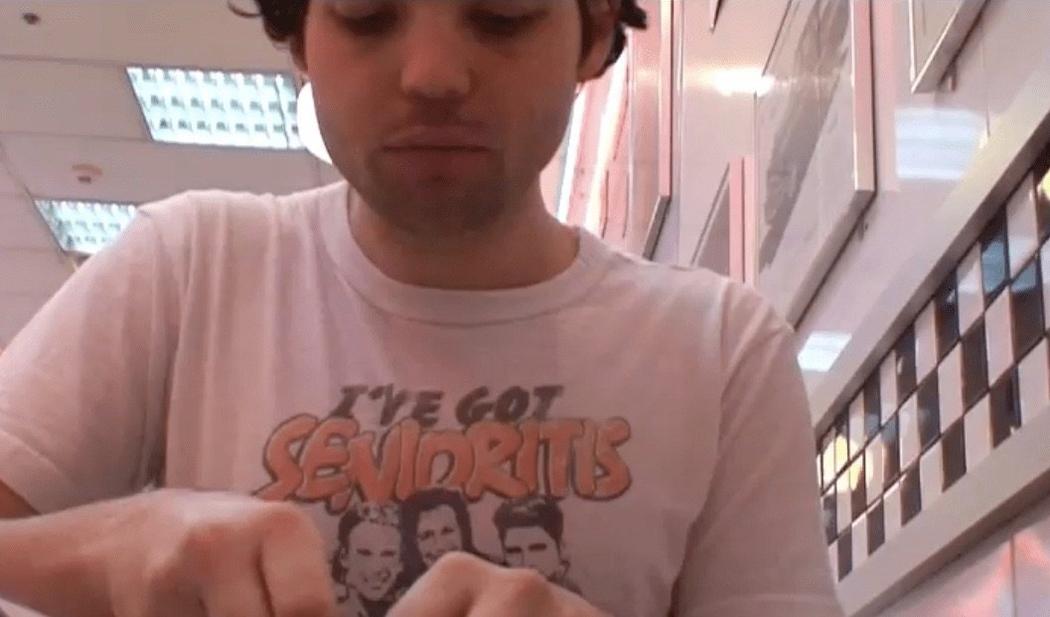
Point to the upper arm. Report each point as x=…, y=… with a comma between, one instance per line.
x=82, y=385
x=757, y=547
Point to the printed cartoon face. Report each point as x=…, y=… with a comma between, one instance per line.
x=373, y=560
x=438, y=533
x=533, y=547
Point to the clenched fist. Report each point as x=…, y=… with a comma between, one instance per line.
x=184, y=554
x=460, y=585
x=175, y=553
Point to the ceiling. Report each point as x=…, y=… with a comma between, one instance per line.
x=65, y=100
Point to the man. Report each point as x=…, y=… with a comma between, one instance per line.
x=530, y=531
x=435, y=522
x=368, y=561
x=434, y=325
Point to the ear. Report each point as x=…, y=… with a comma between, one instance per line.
x=604, y=15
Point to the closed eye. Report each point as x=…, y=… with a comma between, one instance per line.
x=371, y=25
x=504, y=26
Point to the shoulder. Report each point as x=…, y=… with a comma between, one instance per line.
x=207, y=212
x=210, y=223
x=696, y=298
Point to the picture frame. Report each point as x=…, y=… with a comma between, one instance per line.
x=714, y=6
x=652, y=118
x=814, y=148
x=722, y=245
x=937, y=31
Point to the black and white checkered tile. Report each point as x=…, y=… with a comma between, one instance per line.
x=968, y=373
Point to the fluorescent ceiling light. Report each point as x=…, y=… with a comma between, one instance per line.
x=821, y=349
x=85, y=227
x=218, y=108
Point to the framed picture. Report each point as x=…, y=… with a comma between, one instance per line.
x=938, y=29
x=814, y=147
x=722, y=245
x=713, y=8
x=652, y=88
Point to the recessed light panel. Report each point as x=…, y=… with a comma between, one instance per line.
x=85, y=227
x=218, y=108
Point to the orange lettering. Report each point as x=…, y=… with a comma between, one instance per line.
x=583, y=460
x=279, y=461
x=495, y=444
x=559, y=435
x=617, y=478
x=376, y=479
x=406, y=481
x=456, y=446
x=526, y=464
x=324, y=456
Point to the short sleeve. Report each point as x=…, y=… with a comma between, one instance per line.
x=757, y=549
x=82, y=386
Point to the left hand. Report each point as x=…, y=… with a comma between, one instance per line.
x=461, y=585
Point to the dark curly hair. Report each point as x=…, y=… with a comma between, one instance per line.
x=284, y=20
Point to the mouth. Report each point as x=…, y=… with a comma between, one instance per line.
x=378, y=580
x=449, y=138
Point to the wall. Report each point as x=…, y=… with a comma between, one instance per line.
x=714, y=110
x=924, y=144
x=1007, y=575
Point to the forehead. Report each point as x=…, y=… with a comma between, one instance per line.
x=437, y=515
x=528, y=535
x=373, y=535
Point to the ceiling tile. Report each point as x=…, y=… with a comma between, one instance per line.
x=139, y=172
x=32, y=272
x=21, y=227
x=189, y=33
x=62, y=98
x=8, y=186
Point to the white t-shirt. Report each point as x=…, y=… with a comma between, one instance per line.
x=635, y=432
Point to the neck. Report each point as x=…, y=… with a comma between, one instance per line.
x=525, y=247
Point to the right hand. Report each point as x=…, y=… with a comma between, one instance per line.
x=174, y=553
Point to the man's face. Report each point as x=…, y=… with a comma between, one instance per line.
x=442, y=113
x=533, y=547
x=438, y=533
x=373, y=560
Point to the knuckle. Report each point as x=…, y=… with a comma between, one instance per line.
x=204, y=539
x=163, y=573
x=283, y=517
x=456, y=566
x=303, y=606
x=525, y=584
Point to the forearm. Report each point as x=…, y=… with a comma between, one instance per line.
x=47, y=565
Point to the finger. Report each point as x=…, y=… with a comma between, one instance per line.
x=165, y=589
x=294, y=569
x=448, y=589
x=520, y=593
x=238, y=593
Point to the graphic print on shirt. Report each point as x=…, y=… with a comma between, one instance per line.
x=402, y=486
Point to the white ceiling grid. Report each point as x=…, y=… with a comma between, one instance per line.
x=65, y=100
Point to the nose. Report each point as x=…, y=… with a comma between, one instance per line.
x=436, y=65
